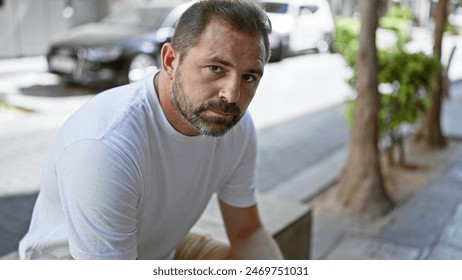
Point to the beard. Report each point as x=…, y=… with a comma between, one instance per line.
x=205, y=125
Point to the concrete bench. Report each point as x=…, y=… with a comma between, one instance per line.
x=289, y=222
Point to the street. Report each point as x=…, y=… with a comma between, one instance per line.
x=299, y=85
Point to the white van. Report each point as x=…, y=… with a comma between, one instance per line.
x=299, y=25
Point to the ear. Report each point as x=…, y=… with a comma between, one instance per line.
x=170, y=57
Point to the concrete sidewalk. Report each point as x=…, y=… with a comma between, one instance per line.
x=427, y=226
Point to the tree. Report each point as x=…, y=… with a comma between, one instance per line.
x=430, y=134
x=405, y=78
x=361, y=187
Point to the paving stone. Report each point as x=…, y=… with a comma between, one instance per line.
x=288, y=148
x=8, y=243
x=452, y=233
x=422, y=217
x=22, y=159
x=455, y=173
x=450, y=121
x=458, y=156
x=366, y=248
x=15, y=215
x=419, y=222
x=326, y=233
x=14, y=227
x=445, y=190
x=444, y=252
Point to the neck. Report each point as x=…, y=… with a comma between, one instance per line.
x=163, y=87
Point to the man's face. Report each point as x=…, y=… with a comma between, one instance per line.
x=217, y=79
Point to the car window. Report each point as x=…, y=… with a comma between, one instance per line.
x=277, y=8
x=304, y=10
x=151, y=17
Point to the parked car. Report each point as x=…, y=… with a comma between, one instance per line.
x=299, y=25
x=121, y=48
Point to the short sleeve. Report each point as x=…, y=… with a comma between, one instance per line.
x=99, y=199
x=239, y=190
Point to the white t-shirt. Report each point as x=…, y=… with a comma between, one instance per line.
x=121, y=183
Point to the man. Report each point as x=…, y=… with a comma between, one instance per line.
x=129, y=174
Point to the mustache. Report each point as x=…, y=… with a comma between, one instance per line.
x=220, y=106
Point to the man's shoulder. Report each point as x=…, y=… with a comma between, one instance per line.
x=105, y=113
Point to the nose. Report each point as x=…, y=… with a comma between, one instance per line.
x=230, y=90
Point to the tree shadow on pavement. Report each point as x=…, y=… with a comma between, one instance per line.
x=60, y=90
x=15, y=216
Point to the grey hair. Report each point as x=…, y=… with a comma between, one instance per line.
x=243, y=15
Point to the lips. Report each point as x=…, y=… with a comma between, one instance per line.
x=221, y=107
x=221, y=112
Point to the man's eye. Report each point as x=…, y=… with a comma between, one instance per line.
x=216, y=69
x=248, y=78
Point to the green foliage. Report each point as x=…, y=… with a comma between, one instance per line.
x=346, y=38
x=400, y=12
x=399, y=19
x=402, y=28
x=408, y=77
x=404, y=77
x=451, y=29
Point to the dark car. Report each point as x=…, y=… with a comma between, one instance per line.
x=123, y=47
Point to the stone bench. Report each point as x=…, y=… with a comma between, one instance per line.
x=289, y=222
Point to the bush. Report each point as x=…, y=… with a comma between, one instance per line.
x=400, y=12
x=399, y=19
x=402, y=28
x=408, y=76
x=346, y=38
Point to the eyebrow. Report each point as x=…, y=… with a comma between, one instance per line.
x=223, y=61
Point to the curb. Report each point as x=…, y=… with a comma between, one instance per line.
x=311, y=181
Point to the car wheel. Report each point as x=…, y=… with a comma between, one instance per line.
x=139, y=66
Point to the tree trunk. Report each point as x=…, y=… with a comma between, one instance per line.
x=390, y=155
x=361, y=188
x=430, y=134
x=402, y=152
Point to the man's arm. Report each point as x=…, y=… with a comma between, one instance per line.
x=248, y=238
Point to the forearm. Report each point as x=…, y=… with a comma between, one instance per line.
x=257, y=246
